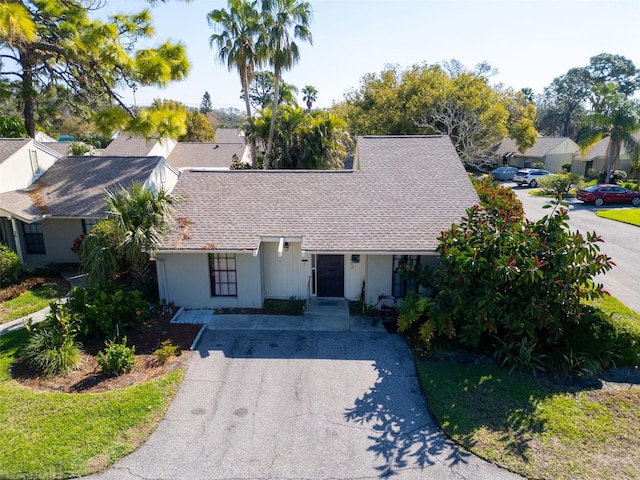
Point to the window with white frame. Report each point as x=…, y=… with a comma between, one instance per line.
x=222, y=270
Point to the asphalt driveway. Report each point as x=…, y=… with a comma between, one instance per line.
x=300, y=404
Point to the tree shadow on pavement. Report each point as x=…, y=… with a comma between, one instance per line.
x=403, y=434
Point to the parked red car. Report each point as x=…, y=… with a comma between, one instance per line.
x=605, y=193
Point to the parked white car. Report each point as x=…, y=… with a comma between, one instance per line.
x=529, y=176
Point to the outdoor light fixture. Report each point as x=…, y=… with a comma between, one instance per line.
x=286, y=246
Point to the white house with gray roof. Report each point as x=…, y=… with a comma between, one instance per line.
x=249, y=235
x=553, y=152
x=22, y=161
x=41, y=221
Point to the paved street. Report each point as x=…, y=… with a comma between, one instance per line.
x=622, y=243
x=258, y=404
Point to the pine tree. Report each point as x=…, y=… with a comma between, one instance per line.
x=205, y=106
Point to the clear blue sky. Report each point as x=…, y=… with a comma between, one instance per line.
x=530, y=42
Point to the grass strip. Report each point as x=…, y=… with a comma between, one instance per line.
x=31, y=301
x=625, y=215
x=59, y=435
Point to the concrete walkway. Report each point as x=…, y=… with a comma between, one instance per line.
x=74, y=279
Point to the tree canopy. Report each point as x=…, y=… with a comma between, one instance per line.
x=48, y=46
x=432, y=99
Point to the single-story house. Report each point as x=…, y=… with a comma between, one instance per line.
x=41, y=222
x=553, y=152
x=596, y=158
x=249, y=235
x=22, y=161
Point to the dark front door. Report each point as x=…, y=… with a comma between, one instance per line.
x=330, y=270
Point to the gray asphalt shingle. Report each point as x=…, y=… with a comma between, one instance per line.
x=408, y=190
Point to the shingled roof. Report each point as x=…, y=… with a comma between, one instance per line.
x=407, y=190
x=542, y=146
x=74, y=186
x=9, y=146
x=130, y=144
x=205, y=155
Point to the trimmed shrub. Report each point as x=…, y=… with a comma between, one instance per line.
x=104, y=312
x=499, y=200
x=51, y=348
x=116, y=358
x=10, y=266
x=166, y=351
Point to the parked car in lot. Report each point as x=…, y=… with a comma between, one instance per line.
x=529, y=176
x=504, y=173
x=606, y=193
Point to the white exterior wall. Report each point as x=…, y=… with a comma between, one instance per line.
x=286, y=276
x=379, y=277
x=554, y=161
x=162, y=148
x=183, y=279
x=354, y=275
x=16, y=172
x=58, y=239
x=162, y=177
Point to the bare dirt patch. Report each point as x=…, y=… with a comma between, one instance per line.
x=88, y=378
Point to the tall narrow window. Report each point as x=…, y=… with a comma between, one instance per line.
x=222, y=269
x=35, y=166
x=401, y=286
x=33, y=238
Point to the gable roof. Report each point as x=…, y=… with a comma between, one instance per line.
x=379, y=208
x=9, y=146
x=229, y=135
x=129, y=144
x=74, y=186
x=599, y=149
x=205, y=155
x=541, y=148
x=63, y=148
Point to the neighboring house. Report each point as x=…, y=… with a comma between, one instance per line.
x=22, y=161
x=249, y=235
x=40, y=222
x=184, y=155
x=128, y=144
x=553, y=152
x=215, y=155
x=596, y=158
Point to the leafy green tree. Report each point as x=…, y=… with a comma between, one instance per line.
x=280, y=18
x=205, y=105
x=616, y=117
x=11, y=128
x=136, y=222
x=310, y=95
x=198, y=128
x=55, y=43
x=236, y=38
x=515, y=286
x=261, y=91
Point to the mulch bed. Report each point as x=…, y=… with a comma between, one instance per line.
x=87, y=378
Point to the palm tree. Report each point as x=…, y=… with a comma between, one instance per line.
x=618, y=118
x=280, y=17
x=136, y=223
x=310, y=95
x=236, y=38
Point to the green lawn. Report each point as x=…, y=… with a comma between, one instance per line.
x=31, y=301
x=56, y=435
x=625, y=215
x=537, y=428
